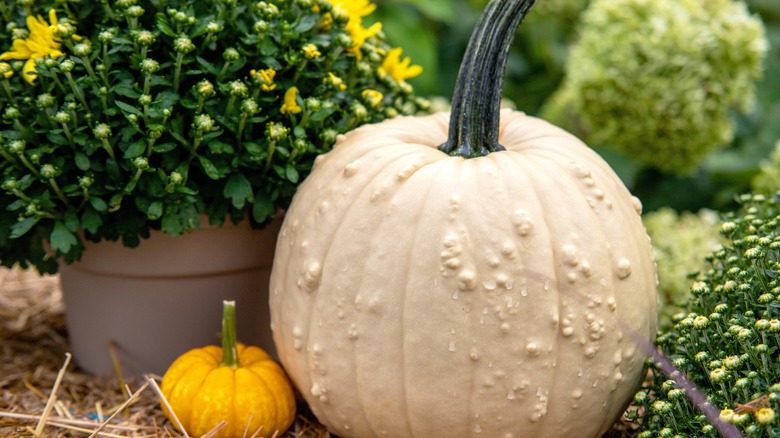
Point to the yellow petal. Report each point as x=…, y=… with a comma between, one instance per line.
x=28, y=72
x=19, y=50
x=53, y=18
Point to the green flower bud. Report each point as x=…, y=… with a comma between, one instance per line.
x=329, y=135
x=134, y=11
x=86, y=182
x=719, y=375
x=11, y=113
x=155, y=131
x=183, y=44
x=17, y=146
x=181, y=17
x=106, y=36
x=213, y=27
x=175, y=178
x=144, y=38
x=10, y=184
x=237, y=88
x=230, y=55
x=125, y=3
x=250, y=107
x=19, y=34
x=48, y=171
x=149, y=66
x=344, y=40
x=67, y=65
x=82, y=49
x=61, y=117
x=359, y=110
x=102, y=131
x=261, y=26
x=732, y=362
x=145, y=99
x=45, y=100
x=141, y=163
x=312, y=104
x=276, y=131
x=203, y=123
x=267, y=10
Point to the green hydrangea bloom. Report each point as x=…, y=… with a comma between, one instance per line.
x=728, y=338
x=768, y=178
x=679, y=240
x=656, y=79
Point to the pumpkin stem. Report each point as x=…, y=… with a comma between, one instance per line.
x=476, y=102
x=229, y=348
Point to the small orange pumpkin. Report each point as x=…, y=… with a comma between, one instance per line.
x=240, y=385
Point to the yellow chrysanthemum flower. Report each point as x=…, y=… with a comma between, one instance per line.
x=290, y=105
x=335, y=81
x=311, y=51
x=5, y=70
x=372, y=97
x=41, y=42
x=265, y=77
x=398, y=69
x=355, y=10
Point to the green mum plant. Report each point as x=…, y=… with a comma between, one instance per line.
x=658, y=79
x=118, y=117
x=679, y=240
x=727, y=339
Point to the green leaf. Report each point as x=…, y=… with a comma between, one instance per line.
x=61, y=238
x=171, y=224
x=90, y=220
x=136, y=149
x=155, y=210
x=98, y=204
x=164, y=26
x=72, y=220
x=262, y=209
x=23, y=226
x=268, y=47
x=82, y=161
x=209, y=167
x=291, y=173
x=307, y=23
x=238, y=190
x=164, y=147
x=126, y=107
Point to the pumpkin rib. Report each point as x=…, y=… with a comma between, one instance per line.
x=484, y=227
x=525, y=164
x=303, y=379
x=405, y=302
x=259, y=385
x=186, y=378
x=334, y=235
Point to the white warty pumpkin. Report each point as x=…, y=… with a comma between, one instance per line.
x=417, y=294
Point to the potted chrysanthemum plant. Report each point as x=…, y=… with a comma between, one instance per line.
x=125, y=119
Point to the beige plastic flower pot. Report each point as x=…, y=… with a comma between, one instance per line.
x=156, y=301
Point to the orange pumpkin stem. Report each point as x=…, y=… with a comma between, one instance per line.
x=229, y=341
x=476, y=102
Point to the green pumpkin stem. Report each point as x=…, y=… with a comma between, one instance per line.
x=229, y=348
x=476, y=102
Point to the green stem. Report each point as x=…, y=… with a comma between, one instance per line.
x=476, y=103
x=57, y=191
x=177, y=72
x=229, y=348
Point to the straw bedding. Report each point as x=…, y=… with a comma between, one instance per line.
x=41, y=394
